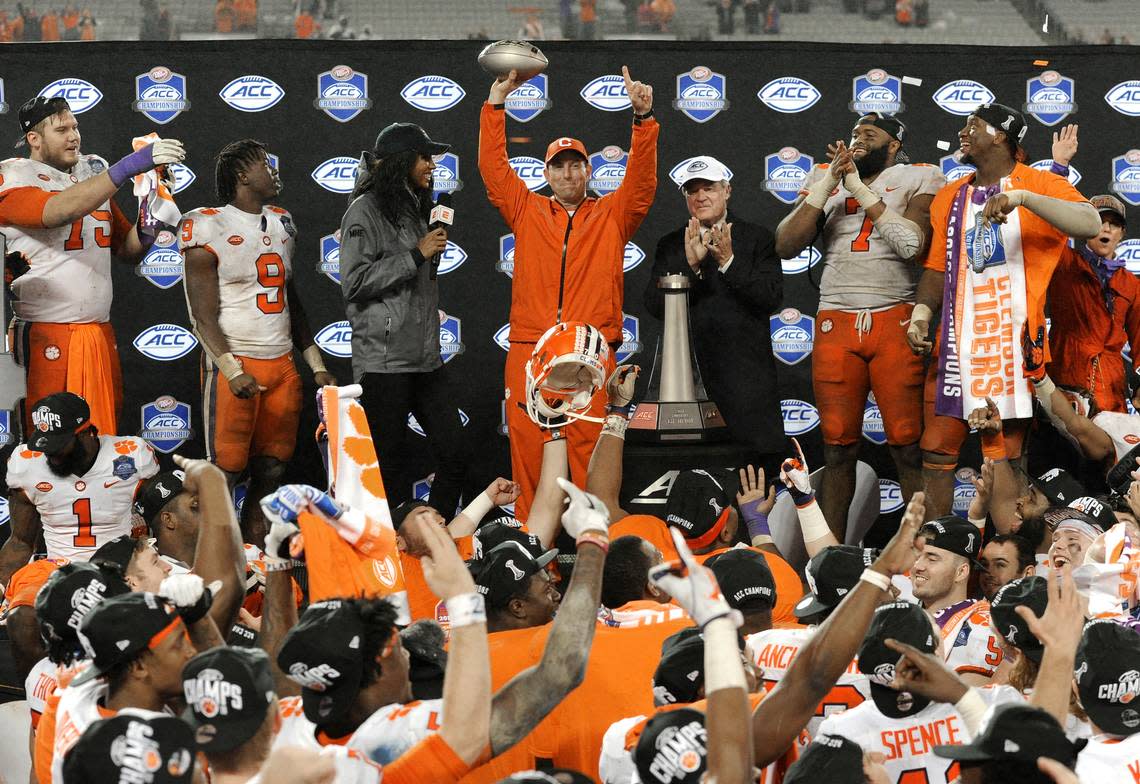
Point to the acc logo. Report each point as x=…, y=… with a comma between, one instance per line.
x=414, y=426
x=1129, y=250
x=677, y=171
x=607, y=169
x=252, y=93
x=432, y=93
x=890, y=496
x=809, y=257
x=342, y=93
x=183, y=176
x=162, y=264
x=701, y=94
x=876, y=91
x=1044, y=165
x=1050, y=97
x=1126, y=176
x=1125, y=98
x=445, y=176
x=529, y=99
x=530, y=170
x=6, y=436
x=335, y=339
x=964, y=490
x=789, y=95
x=634, y=255
x=984, y=246
x=330, y=256
x=502, y=337
x=873, y=422
x=506, y=262
x=785, y=172
x=607, y=93
x=3, y=103
x=81, y=95
x=166, y=424
x=452, y=258
x=962, y=96
x=630, y=332
x=165, y=342
x=337, y=174
x=799, y=417
x=953, y=168
x=450, y=342
x=160, y=94
x=792, y=335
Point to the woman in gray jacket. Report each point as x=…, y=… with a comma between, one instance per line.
x=388, y=255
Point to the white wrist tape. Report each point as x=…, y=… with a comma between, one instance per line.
x=866, y=197
x=979, y=522
x=1044, y=390
x=921, y=313
x=466, y=609
x=313, y=358
x=972, y=709
x=615, y=425
x=880, y=581
x=229, y=365
x=819, y=193
x=723, y=667
x=812, y=522
x=478, y=507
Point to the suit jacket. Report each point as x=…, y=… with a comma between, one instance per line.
x=730, y=330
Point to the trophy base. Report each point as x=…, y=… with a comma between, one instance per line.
x=689, y=422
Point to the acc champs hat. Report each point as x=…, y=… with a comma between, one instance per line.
x=703, y=167
x=1108, y=676
x=698, y=505
x=1009, y=120
x=829, y=758
x=322, y=655
x=673, y=748
x=155, y=493
x=69, y=593
x=118, y=629
x=564, y=144
x=55, y=421
x=1031, y=592
x=1016, y=731
x=680, y=674
x=228, y=691
x=36, y=110
x=1059, y=486
x=831, y=574
x=745, y=579
x=907, y=623
x=955, y=535
x=136, y=746
x=491, y=535
x=505, y=570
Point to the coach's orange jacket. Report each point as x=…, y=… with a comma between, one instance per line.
x=567, y=268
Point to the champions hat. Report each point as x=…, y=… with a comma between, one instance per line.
x=133, y=746
x=36, y=110
x=405, y=137
x=955, y=535
x=1016, y=731
x=831, y=574
x=424, y=641
x=698, y=505
x=1108, y=676
x=1106, y=202
x=680, y=674
x=505, y=570
x=401, y=512
x=228, y=693
x=703, y=167
x=565, y=144
x=55, y=421
x=1098, y=510
x=673, y=748
x=155, y=493
x=1065, y=517
x=1004, y=118
x=1059, y=486
x=491, y=535
x=1031, y=592
x=829, y=758
x=907, y=623
x=69, y=593
x=744, y=579
x=322, y=655
x=117, y=553
x=118, y=629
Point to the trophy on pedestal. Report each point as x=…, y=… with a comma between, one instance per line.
x=676, y=407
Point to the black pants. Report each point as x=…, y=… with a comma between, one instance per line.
x=387, y=400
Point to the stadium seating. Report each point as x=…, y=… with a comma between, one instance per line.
x=1088, y=19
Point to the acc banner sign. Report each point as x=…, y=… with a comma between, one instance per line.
x=166, y=424
x=6, y=434
x=506, y=262
x=964, y=490
x=701, y=94
x=160, y=94
x=445, y=175
x=183, y=176
x=876, y=91
x=785, y=172
x=873, y=429
x=808, y=258
x=1129, y=250
x=252, y=93
x=607, y=169
x=335, y=339
x=792, y=335
x=450, y=337
x=502, y=337
x=529, y=99
x=165, y=342
x=342, y=93
x=962, y=96
x=330, y=256
x=607, y=93
x=953, y=168
x=1046, y=165
x=1126, y=176
x=1125, y=98
x=630, y=334
x=890, y=496
x=81, y=95
x=432, y=93
x=1050, y=97
x=162, y=264
x=530, y=170
x=799, y=417
x=336, y=174
x=788, y=95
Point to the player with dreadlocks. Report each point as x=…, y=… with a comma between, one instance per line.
x=246, y=313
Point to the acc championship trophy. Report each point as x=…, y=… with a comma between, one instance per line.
x=676, y=407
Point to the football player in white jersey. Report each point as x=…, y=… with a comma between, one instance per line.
x=1108, y=684
x=62, y=225
x=872, y=209
x=71, y=483
x=246, y=313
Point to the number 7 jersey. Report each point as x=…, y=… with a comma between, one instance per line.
x=254, y=256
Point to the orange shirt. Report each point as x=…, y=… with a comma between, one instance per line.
x=49, y=26
x=27, y=581
x=429, y=760
x=651, y=529
x=304, y=25
x=421, y=600
x=789, y=588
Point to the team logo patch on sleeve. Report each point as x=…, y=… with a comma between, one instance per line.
x=123, y=467
x=529, y=99
x=342, y=93
x=160, y=94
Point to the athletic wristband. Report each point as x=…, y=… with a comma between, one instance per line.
x=280, y=564
x=812, y=522
x=1059, y=168
x=921, y=313
x=978, y=522
x=880, y=581
x=478, y=507
x=128, y=166
x=866, y=197
x=755, y=520
x=615, y=425
x=1044, y=390
x=645, y=116
x=595, y=538
x=625, y=410
x=229, y=365
x=723, y=667
x=993, y=445
x=466, y=609
x=819, y=193
x=972, y=709
x=313, y=358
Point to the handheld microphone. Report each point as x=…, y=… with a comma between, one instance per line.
x=442, y=216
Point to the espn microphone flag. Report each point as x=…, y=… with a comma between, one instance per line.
x=337, y=568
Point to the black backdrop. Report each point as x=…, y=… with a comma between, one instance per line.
x=742, y=136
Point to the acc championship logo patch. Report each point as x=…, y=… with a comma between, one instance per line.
x=451, y=259
x=6, y=435
x=81, y=95
x=962, y=96
x=788, y=95
x=953, y=168
x=607, y=169
x=162, y=264
x=160, y=94
x=502, y=337
x=529, y=99
x=1125, y=97
x=335, y=339
x=432, y=93
x=166, y=424
x=342, y=93
x=330, y=256
x=633, y=256
x=530, y=170
x=506, y=262
x=785, y=172
x=890, y=496
x=1050, y=97
x=630, y=338
x=450, y=335
x=799, y=417
x=792, y=335
x=873, y=429
x=681, y=168
x=336, y=174
x=876, y=91
x=165, y=342
x=445, y=175
x=701, y=94
x=415, y=427
x=607, y=93
x=1126, y=176
x=808, y=258
x=1044, y=165
x=964, y=490
x=252, y=93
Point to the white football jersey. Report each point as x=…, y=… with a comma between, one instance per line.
x=969, y=643
x=352, y=767
x=80, y=514
x=773, y=651
x=1123, y=429
x=39, y=685
x=78, y=709
x=69, y=279
x=255, y=260
x=615, y=763
x=1110, y=760
x=908, y=743
x=860, y=269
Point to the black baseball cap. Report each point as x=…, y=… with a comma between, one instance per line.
x=228, y=692
x=505, y=570
x=955, y=535
x=424, y=641
x=698, y=505
x=133, y=745
x=908, y=623
x=1009, y=120
x=673, y=747
x=680, y=674
x=401, y=512
x=36, y=110
x=547, y=776
x=68, y=594
x=55, y=421
x=745, y=579
x=1108, y=676
x=118, y=629
x=1095, y=508
x=1016, y=731
x=321, y=654
x=1031, y=592
x=1056, y=516
x=156, y=492
x=491, y=535
x=116, y=553
x=830, y=759
x=831, y=574
x=891, y=125
x=402, y=137
x=1058, y=485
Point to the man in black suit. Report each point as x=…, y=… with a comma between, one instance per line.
x=737, y=281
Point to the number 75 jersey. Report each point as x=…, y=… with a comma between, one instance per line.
x=254, y=257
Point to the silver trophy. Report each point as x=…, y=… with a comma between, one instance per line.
x=676, y=407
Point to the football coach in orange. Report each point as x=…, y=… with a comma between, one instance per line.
x=568, y=259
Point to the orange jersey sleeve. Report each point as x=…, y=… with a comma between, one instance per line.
x=789, y=590
x=939, y=216
x=23, y=206
x=429, y=760
x=45, y=741
x=28, y=579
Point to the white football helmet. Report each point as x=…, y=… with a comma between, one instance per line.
x=568, y=366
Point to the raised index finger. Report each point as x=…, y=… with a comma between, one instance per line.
x=627, y=77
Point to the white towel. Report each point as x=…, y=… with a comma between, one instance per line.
x=154, y=190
